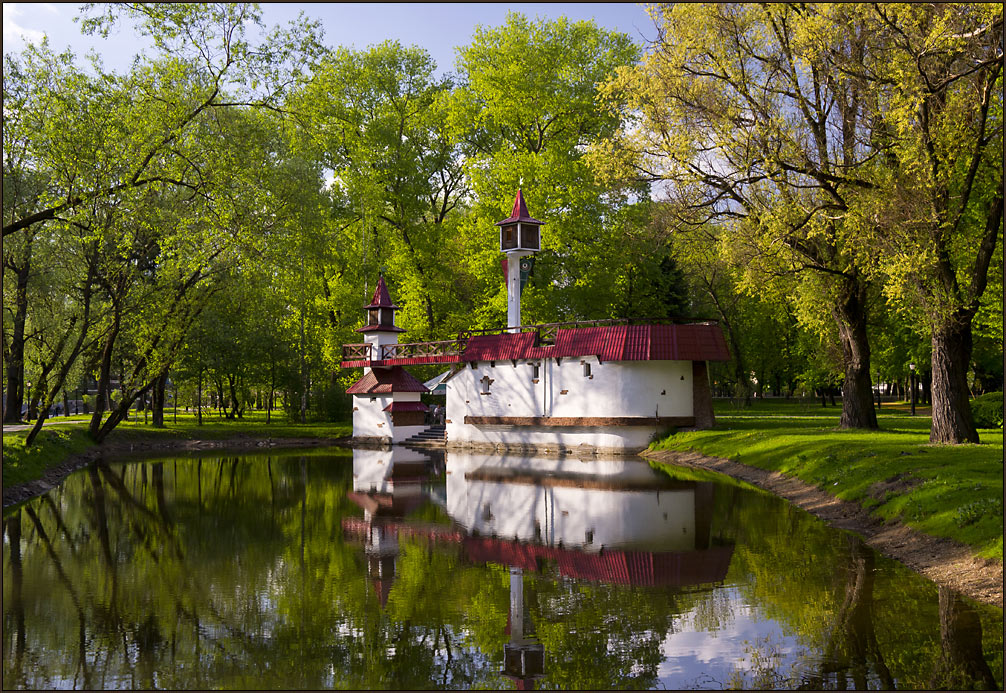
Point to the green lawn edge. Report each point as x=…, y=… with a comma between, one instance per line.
x=947, y=491
x=58, y=443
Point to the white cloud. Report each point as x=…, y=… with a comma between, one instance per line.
x=14, y=32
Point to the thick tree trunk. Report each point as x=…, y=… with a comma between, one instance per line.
x=14, y=398
x=952, y=420
x=157, y=411
x=199, y=398
x=849, y=313
x=102, y=398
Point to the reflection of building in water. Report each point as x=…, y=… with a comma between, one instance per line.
x=609, y=521
x=613, y=521
x=565, y=502
x=523, y=656
x=388, y=485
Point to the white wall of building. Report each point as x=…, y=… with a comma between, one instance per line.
x=371, y=421
x=612, y=389
x=369, y=418
x=654, y=520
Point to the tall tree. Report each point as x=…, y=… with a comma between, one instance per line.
x=526, y=105
x=377, y=120
x=936, y=75
x=728, y=111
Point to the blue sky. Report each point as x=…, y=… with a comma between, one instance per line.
x=437, y=27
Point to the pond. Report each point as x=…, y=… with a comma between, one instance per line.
x=399, y=569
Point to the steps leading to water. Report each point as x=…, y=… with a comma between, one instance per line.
x=434, y=436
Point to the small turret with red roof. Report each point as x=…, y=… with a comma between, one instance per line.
x=380, y=311
x=519, y=231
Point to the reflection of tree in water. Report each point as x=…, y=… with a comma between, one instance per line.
x=962, y=664
x=600, y=635
x=225, y=573
x=852, y=650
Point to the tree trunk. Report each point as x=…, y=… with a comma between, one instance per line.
x=158, y=399
x=102, y=398
x=235, y=406
x=952, y=344
x=199, y=398
x=849, y=313
x=14, y=398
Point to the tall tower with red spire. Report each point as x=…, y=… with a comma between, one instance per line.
x=520, y=237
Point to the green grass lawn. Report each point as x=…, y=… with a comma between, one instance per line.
x=948, y=491
x=55, y=444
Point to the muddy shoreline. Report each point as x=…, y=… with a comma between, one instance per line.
x=943, y=561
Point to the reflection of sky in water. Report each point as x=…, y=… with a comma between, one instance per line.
x=698, y=658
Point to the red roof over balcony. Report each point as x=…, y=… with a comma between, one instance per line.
x=382, y=382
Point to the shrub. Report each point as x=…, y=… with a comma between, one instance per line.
x=988, y=410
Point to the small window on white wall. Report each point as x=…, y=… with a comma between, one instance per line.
x=486, y=381
x=586, y=370
x=535, y=370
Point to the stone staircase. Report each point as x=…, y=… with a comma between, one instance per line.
x=434, y=436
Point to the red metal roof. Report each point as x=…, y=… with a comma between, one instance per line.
x=381, y=382
x=498, y=347
x=620, y=342
x=407, y=406
x=695, y=342
x=381, y=299
x=519, y=212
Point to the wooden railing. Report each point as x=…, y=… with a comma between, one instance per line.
x=365, y=352
x=356, y=352
x=422, y=349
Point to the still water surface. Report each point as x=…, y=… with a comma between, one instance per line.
x=394, y=570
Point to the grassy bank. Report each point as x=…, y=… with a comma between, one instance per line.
x=945, y=491
x=57, y=443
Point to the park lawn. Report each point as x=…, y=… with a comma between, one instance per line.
x=947, y=491
x=56, y=444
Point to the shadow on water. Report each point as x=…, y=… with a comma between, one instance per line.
x=398, y=569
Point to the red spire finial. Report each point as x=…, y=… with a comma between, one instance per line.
x=381, y=299
x=519, y=212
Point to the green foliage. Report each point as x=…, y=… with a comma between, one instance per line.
x=988, y=410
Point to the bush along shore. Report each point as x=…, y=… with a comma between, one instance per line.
x=61, y=449
x=938, y=509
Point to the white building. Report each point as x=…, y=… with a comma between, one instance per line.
x=599, y=387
